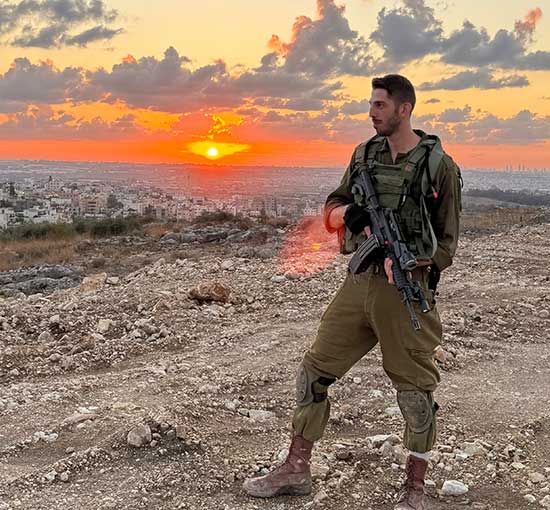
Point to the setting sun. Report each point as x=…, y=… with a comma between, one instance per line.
x=215, y=150
x=212, y=152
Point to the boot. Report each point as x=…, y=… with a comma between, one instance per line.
x=293, y=477
x=412, y=495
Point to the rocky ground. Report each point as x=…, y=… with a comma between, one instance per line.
x=125, y=390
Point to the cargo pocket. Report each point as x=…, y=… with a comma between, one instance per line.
x=426, y=374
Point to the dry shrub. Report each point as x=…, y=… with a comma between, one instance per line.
x=157, y=230
x=16, y=254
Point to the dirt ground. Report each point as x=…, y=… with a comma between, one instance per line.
x=199, y=374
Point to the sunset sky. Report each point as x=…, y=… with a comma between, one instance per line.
x=286, y=82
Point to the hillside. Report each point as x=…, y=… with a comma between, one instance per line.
x=214, y=381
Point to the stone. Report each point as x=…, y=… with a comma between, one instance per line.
x=259, y=415
x=378, y=440
x=45, y=337
x=393, y=411
x=544, y=314
x=64, y=477
x=210, y=291
x=474, y=449
x=535, y=477
x=55, y=357
x=78, y=418
x=545, y=502
x=530, y=498
x=50, y=476
x=103, y=326
x=93, y=283
x=454, y=488
x=320, y=497
x=139, y=436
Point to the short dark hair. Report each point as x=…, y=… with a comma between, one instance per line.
x=398, y=87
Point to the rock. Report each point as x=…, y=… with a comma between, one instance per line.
x=544, y=314
x=259, y=415
x=227, y=265
x=530, y=498
x=64, y=477
x=55, y=357
x=112, y=280
x=86, y=344
x=393, y=411
x=278, y=278
x=537, y=477
x=545, y=502
x=103, y=326
x=93, y=283
x=139, y=436
x=320, y=497
x=454, y=488
x=318, y=471
x=210, y=291
x=378, y=440
x=55, y=320
x=474, y=449
x=518, y=466
x=45, y=337
x=50, y=476
x=78, y=418
x=441, y=354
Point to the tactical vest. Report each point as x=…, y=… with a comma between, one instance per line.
x=406, y=188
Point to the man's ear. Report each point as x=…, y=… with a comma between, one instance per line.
x=405, y=109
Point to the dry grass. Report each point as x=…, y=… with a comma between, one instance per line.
x=157, y=230
x=16, y=254
x=498, y=218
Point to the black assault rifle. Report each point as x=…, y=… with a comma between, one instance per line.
x=387, y=241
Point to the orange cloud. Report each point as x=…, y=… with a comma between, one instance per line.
x=526, y=27
x=129, y=59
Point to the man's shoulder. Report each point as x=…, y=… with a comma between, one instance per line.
x=448, y=165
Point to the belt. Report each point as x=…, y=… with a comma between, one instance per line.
x=418, y=273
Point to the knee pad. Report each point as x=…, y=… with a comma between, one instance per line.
x=418, y=409
x=310, y=387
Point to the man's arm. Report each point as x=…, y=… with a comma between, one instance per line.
x=337, y=203
x=446, y=216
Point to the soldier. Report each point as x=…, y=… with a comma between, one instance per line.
x=414, y=177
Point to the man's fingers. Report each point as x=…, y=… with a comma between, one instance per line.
x=388, y=264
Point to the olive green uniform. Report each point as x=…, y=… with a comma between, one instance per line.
x=367, y=310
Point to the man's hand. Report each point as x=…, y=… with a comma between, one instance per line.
x=388, y=264
x=356, y=218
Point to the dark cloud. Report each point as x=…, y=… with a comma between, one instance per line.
x=455, y=114
x=26, y=83
x=322, y=48
x=413, y=32
x=407, y=33
x=480, y=79
x=93, y=34
x=355, y=107
x=42, y=122
x=51, y=23
x=524, y=128
x=432, y=100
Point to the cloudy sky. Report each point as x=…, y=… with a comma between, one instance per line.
x=281, y=82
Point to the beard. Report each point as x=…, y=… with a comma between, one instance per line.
x=389, y=127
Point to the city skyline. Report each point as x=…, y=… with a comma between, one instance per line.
x=279, y=84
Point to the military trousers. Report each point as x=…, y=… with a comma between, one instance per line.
x=367, y=310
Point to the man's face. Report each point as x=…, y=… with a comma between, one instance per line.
x=384, y=113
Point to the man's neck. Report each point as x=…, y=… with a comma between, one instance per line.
x=402, y=141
